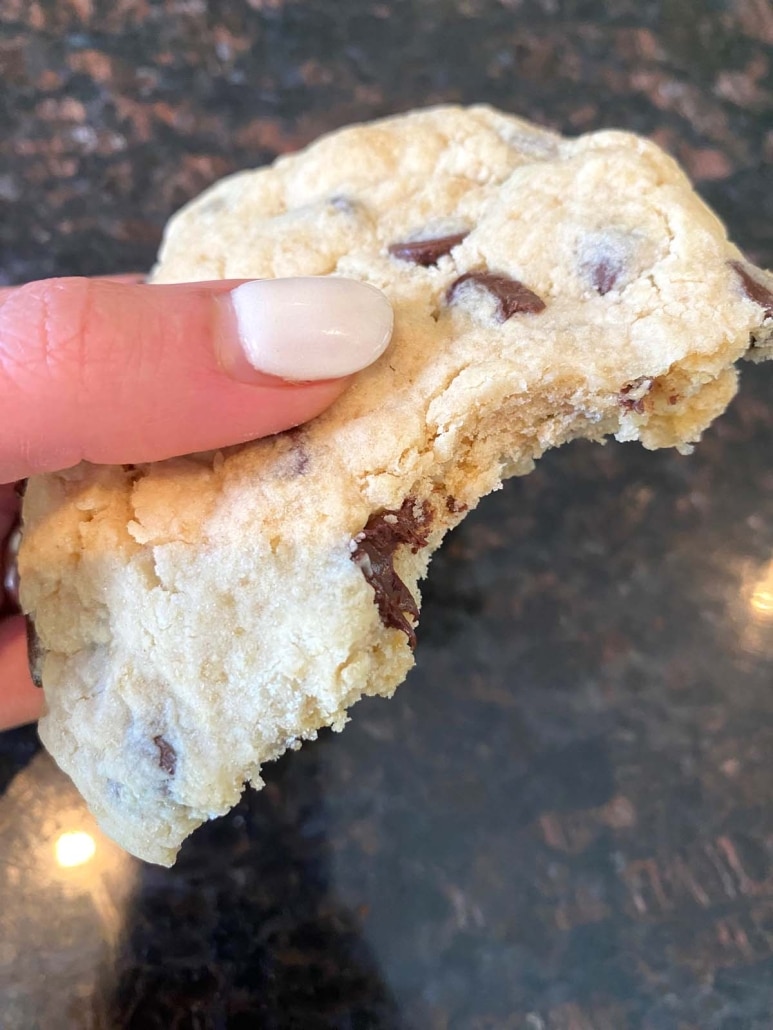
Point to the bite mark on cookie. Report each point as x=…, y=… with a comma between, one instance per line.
x=167, y=756
x=373, y=550
x=426, y=252
x=512, y=296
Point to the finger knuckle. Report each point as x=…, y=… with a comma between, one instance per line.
x=43, y=329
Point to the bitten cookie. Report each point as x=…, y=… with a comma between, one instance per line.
x=199, y=616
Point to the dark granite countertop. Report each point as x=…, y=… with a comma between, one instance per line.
x=564, y=821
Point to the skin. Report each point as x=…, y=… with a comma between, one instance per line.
x=115, y=371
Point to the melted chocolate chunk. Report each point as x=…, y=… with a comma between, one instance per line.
x=167, y=756
x=514, y=298
x=374, y=552
x=754, y=291
x=34, y=653
x=426, y=252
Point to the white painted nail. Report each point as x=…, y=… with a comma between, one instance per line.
x=310, y=328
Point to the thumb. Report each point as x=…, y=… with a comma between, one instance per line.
x=111, y=372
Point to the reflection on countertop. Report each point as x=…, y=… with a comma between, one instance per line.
x=66, y=893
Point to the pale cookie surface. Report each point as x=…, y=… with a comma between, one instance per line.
x=199, y=616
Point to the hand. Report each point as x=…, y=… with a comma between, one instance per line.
x=113, y=371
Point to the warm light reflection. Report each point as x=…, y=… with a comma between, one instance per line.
x=761, y=599
x=57, y=861
x=74, y=848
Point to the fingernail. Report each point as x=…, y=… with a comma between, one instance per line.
x=306, y=328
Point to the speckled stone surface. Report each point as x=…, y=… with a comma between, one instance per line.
x=564, y=820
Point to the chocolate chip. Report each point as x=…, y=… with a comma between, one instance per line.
x=754, y=290
x=454, y=506
x=34, y=653
x=133, y=473
x=426, y=252
x=514, y=298
x=167, y=756
x=629, y=404
x=604, y=274
x=605, y=257
x=374, y=552
x=632, y=396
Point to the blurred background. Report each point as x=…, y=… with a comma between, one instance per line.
x=564, y=820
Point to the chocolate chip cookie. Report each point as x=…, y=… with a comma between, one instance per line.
x=199, y=616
